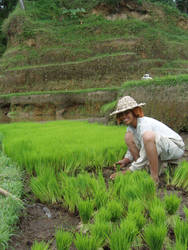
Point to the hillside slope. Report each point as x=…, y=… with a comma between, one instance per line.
x=101, y=47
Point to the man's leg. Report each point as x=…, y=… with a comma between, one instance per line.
x=152, y=155
x=129, y=140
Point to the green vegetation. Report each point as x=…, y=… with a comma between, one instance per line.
x=172, y=203
x=75, y=145
x=40, y=246
x=155, y=235
x=10, y=207
x=63, y=240
x=180, y=178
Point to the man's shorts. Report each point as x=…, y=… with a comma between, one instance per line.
x=169, y=149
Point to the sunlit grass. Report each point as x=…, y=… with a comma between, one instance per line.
x=67, y=145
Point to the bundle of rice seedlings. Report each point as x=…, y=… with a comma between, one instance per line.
x=118, y=241
x=101, y=230
x=123, y=237
x=103, y=215
x=172, y=203
x=138, y=218
x=181, y=231
x=83, y=242
x=180, y=178
x=40, y=246
x=45, y=186
x=136, y=206
x=154, y=236
x=185, y=209
x=100, y=199
x=148, y=188
x=158, y=215
x=63, y=240
x=115, y=210
x=128, y=226
x=85, y=209
x=180, y=246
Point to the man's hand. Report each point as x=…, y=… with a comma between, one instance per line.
x=113, y=176
x=122, y=163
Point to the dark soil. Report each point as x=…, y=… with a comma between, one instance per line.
x=35, y=225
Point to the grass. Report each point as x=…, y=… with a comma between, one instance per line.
x=10, y=180
x=40, y=246
x=75, y=145
x=181, y=176
x=172, y=203
x=63, y=239
x=155, y=235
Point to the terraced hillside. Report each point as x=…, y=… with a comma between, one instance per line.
x=89, y=48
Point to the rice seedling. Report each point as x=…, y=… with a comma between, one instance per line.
x=118, y=241
x=138, y=218
x=172, y=203
x=103, y=215
x=73, y=146
x=123, y=237
x=63, y=239
x=136, y=206
x=40, y=246
x=85, y=209
x=10, y=208
x=181, y=231
x=185, y=209
x=128, y=226
x=101, y=230
x=180, y=178
x=154, y=236
x=115, y=210
x=83, y=242
x=45, y=186
x=158, y=215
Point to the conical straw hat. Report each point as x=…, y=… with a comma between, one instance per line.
x=126, y=103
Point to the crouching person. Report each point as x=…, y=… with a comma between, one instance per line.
x=149, y=141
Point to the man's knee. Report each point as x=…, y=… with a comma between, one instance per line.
x=129, y=138
x=149, y=136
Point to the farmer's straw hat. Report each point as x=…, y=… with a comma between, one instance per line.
x=126, y=103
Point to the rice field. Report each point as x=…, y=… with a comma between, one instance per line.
x=66, y=160
x=63, y=145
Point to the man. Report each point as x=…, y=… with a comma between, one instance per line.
x=148, y=140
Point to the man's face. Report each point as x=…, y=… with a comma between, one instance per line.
x=127, y=118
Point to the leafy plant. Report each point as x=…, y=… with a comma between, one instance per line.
x=154, y=236
x=40, y=246
x=181, y=231
x=115, y=210
x=158, y=215
x=101, y=230
x=85, y=209
x=180, y=178
x=63, y=240
x=172, y=203
x=83, y=242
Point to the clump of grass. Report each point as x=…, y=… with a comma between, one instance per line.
x=103, y=215
x=83, y=242
x=154, y=236
x=138, y=218
x=185, y=209
x=180, y=178
x=123, y=237
x=158, y=215
x=63, y=240
x=10, y=208
x=45, y=186
x=181, y=232
x=172, y=203
x=40, y=246
x=101, y=230
x=115, y=210
x=85, y=209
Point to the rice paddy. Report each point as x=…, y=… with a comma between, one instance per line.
x=66, y=161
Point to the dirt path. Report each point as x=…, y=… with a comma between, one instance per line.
x=35, y=225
